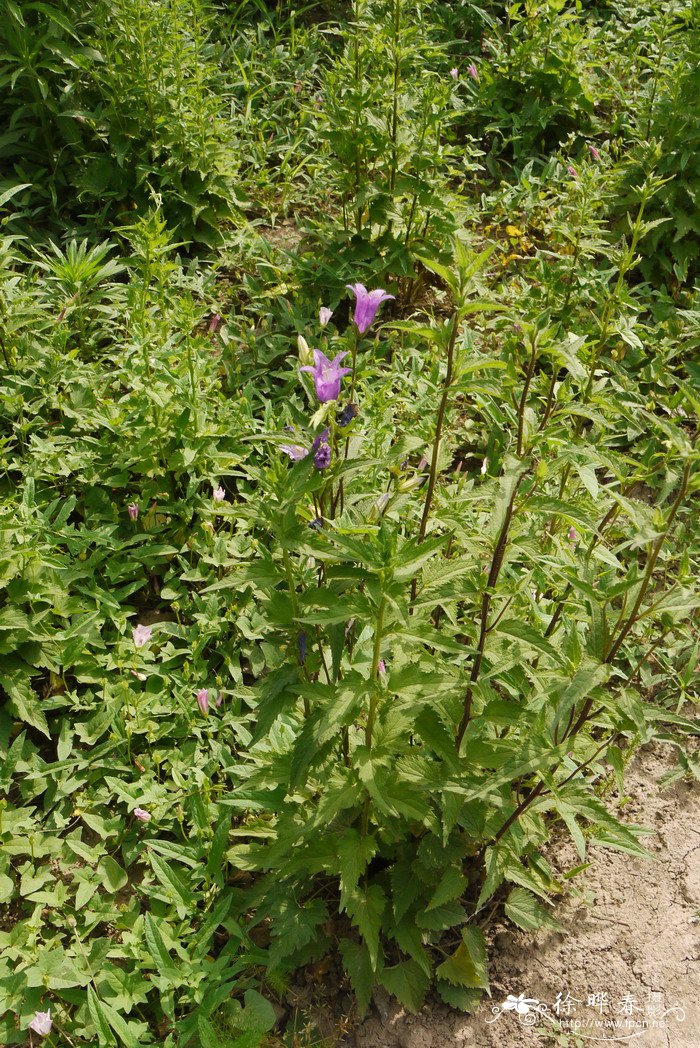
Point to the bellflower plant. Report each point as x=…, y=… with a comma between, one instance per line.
x=327, y=375
x=366, y=304
x=322, y=458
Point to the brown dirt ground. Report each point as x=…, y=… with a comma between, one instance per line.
x=632, y=931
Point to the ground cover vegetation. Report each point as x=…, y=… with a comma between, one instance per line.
x=349, y=407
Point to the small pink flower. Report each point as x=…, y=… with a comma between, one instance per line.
x=142, y=815
x=41, y=1023
x=141, y=635
x=219, y=699
x=139, y=676
x=218, y=494
x=572, y=170
x=454, y=73
x=214, y=323
x=573, y=535
x=202, y=697
x=594, y=152
x=133, y=511
x=381, y=666
x=473, y=71
x=324, y=315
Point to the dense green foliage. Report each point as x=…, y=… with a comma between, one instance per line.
x=288, y=677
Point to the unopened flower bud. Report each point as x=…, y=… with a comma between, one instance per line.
x=305, y=354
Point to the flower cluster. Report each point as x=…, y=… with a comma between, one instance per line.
x=328, y=374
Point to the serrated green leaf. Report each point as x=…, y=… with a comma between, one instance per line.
x=365, y=908
x=354, y=852
x=358, y=965
x=459, y=996
x=467, y=965
x=451, y=886
x=407, y=982
x=524, y=910
x=449, y=915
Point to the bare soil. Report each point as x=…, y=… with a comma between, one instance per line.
x=632, y=937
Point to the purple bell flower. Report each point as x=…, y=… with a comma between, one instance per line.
x=322, y=458
x=295, y=451
x=346, y=416
x=327, y=375
x=366, y=304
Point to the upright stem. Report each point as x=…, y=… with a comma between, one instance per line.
x=634, y=613
x=395, y=104
x=497, y=559
x=373, y=699
x=496, y=564
x=651, y=564
x=356, y=118
x=523, y=398
x=293, y=598
x=604, y=328
x=374, y=676
x=193, y=383
x=432, y=476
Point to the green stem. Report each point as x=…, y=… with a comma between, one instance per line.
x=395, y=104
x=295, y=609
x=373, y=698
x=193, y=383
x=496, y=564
x=432, y=476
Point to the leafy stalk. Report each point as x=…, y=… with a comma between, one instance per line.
x=432, y=476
